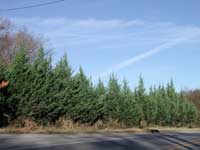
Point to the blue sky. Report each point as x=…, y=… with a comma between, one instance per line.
x=158, y=39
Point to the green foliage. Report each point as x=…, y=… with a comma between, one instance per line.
x=44, y=93
x=130, y=112
x=113, y=98
x=100, y=97
x=141, y=99
x=84, y=107
x=31, y=87
x=17, y=74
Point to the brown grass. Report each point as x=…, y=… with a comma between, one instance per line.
x=63, y=125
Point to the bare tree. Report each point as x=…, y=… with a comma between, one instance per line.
x=12, y=40
x=194, y=96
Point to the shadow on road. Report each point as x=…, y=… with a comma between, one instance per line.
x=186, y=141
x=123, y=144
x=171, y=138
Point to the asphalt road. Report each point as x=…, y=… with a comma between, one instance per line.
x=125, y=141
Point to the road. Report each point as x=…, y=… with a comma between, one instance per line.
x=116, y=141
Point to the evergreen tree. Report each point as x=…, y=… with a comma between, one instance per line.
x=100, y=92
x=42, y=93
x=62, y=88
x=130, y=114
x=152, y=106
x=37, y=98
x=171, y=90
x=113, y=98
x=140, y=97
x=18, y=74
x=83, y=105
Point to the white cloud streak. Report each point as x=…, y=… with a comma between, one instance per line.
x=84, y=32
x=93, y=34
x=184, y=37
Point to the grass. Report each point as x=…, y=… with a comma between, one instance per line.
x=55, y=130
x=22, y=126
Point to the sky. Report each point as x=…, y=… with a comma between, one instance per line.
x=157, y=39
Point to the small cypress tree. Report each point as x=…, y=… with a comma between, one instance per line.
x=113, y=98
x=129, y=108
x=100, y=92
x=140, y=97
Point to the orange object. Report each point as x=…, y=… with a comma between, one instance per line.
x=4, y=84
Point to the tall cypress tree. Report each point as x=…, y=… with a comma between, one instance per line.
x=37, y=100
x=82, y=105
x=18, y=75
x=62, y=88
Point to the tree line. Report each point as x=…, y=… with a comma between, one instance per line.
x=43, y=93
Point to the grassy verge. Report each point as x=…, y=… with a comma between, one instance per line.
x=55, y=130
x=22, y=126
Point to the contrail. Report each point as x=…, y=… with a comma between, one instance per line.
x=145, y=55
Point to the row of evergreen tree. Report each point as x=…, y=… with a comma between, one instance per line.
x=44, y=93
